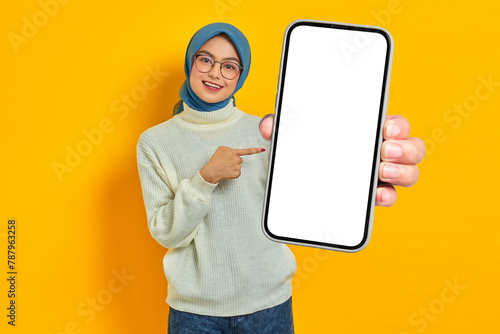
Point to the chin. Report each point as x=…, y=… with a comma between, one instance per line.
x=210, y=98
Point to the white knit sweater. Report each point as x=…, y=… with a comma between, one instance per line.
x=219, y=261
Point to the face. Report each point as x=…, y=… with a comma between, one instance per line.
x=221, y=49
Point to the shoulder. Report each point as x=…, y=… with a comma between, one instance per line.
x=155, y=136
x=252, y=121
x=252, y=128
x=156, y=130
x=250, y=118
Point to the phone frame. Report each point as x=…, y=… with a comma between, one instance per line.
x=378, y=140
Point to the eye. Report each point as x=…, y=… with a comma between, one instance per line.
x=205, y=59
x=230, y=66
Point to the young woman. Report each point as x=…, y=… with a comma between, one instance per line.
x=203, y=176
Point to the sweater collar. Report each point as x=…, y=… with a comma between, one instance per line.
x=224, y=114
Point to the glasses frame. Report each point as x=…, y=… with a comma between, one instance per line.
x=196, y=55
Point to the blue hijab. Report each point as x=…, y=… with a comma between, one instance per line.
x=186, y=93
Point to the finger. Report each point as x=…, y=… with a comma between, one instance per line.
x=266, y=126
x=396, y=127
x=265, y=118
x=247, y=151
x=386, y=195
x=409, y=151
x=398, y=174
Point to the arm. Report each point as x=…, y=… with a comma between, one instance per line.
x=173, y=215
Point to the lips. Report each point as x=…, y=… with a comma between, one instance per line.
x=212, y=85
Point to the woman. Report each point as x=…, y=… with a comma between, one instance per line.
x=203, y=176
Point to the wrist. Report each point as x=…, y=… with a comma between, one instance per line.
x=207, y=176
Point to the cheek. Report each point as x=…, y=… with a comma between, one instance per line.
x=193, y=81
x=193, y=75
x=234, y=83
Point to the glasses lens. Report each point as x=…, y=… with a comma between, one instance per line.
x=204, y=63
x=230, y=70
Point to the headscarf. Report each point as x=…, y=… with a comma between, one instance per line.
x=186, y=93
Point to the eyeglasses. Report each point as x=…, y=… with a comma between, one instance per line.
x=228, y=69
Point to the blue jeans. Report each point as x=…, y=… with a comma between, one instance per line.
x=275, y=320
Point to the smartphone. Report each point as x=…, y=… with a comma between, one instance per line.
x=330, y=110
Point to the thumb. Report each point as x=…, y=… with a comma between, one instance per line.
x=266, y=126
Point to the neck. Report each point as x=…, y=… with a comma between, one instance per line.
x=225, y=114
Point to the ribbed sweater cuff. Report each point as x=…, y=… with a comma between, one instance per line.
x=203, y=188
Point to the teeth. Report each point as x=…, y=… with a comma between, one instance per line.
x=211, y=85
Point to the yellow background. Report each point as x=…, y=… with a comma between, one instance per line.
x=75, y=232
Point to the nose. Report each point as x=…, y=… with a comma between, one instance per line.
x=215, y=71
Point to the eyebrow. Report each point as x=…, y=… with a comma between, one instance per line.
x=228, y=58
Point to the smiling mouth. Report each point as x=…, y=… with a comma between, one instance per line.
x=211, y=85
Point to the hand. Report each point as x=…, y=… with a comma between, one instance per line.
x=400, y=155
x=225, y=163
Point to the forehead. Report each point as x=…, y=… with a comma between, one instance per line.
x=220, y=47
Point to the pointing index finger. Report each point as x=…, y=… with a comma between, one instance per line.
x=248, y=151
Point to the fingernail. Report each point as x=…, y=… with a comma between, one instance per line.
x=385, y=196
x=393, y=130
x=262, y=149
x=390, y=172
x=393, y=151
x=262, y=120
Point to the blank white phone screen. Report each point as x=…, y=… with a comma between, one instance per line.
x=325, y=144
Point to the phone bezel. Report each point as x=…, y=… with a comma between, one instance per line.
x=378, y=140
